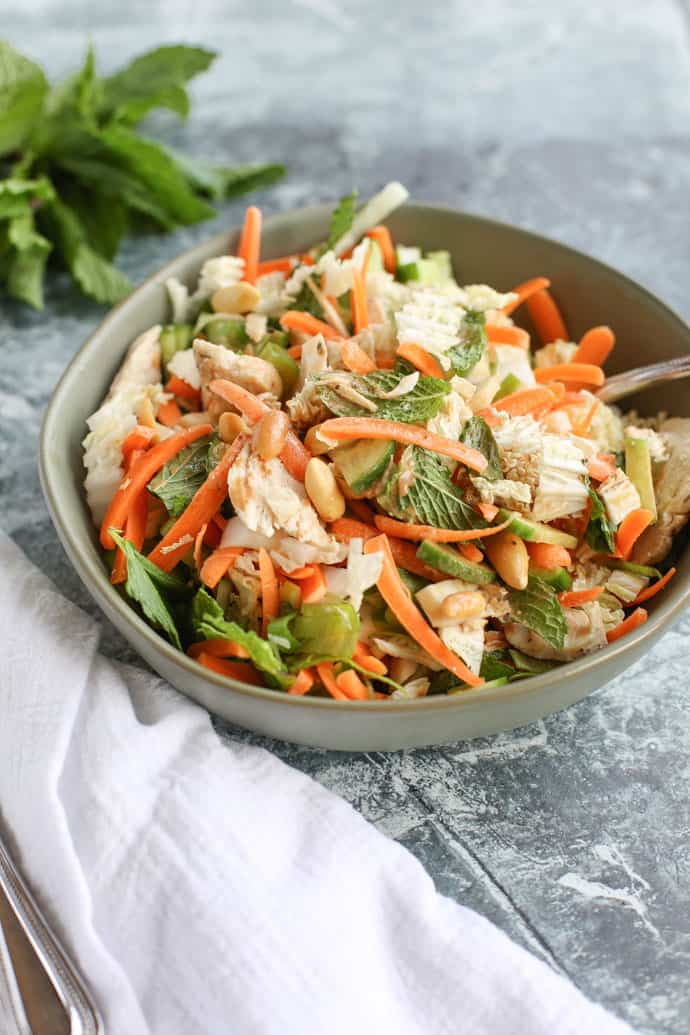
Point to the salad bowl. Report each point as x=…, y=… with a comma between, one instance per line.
x=483, y=251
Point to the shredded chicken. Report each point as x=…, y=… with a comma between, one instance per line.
x=672, y=489
x=250, y=372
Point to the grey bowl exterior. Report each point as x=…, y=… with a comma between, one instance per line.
x=483, y=251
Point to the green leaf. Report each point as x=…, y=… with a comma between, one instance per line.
x=103, y=216
x=94, y=274
x=22, y=91
x=209, y=622
x=469, y=351
x=180, y=479
x=495, y=665
x=479, y=435
x=600, y=534
x=278, y=633
x=307, y=302
x=146, y=584
x=431, y=498
x=19, y=196
x=537, y=608
x=341, y=221
x=531, y=666
x=27, y=262
x=155, y=79
x=78, y=96
x=416, y=407
x=225, y=181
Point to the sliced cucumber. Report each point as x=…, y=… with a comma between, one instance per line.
x=228, y=331
x=556, y=577
x=363, y=463
x=434, y=269
x=174, y=338
x=413, y=582
x=375, y=260
x=536, y=532
x=286, y=366
x=443, y=264
x=451, y=562
x=638, y=467
x=635, y=569
x=508, y=385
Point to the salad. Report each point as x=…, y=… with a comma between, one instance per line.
x=343, y=473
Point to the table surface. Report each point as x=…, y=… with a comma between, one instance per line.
x=569, y=119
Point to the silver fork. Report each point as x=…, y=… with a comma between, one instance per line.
x=639, y=378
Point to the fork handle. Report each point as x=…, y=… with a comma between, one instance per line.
x=639, y=378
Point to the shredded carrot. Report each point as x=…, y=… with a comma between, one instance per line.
x=313, y=587
x=198, y=543
x=326, y=673
x=345, y=529
x=233, y=669
x=399, y=601
x=352, y=686
x=355, y=358
x=284, y=265
x=303, y=683
x=381, y=235
x=507, y=335
x=299, y=573
x=487, y=510
x=405, y=556
x=212, y=535
x=546, y=317
x=582, y=427
x=651, y=591
x=295, y=351
x=630, y=530
x=305, y=323
x=218, y=564
x=601, y=467
x=140, y=437
x=595, y=346
x=361, y=511
x=218, y=647
x=471, y=552
x=179, y=387
x=358, y=295
x=576, y=597
x=421, y=359
x=362, y=656
x=295, y=455
x=141, y=473
x=409, y=434
x=580, y=373
x=524, y=401
x=270, y=598
x=545, y=555
x=525, y=291
x=220, y=521
x=198, y=512
x=135, y=531
x=435, y=535
x=633, y=621
x=169, y=414
x=250, y=243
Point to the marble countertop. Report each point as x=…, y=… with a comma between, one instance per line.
x=573, y=835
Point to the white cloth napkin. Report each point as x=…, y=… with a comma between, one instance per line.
x=212, y=889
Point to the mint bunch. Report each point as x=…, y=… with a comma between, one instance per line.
x=75, y=174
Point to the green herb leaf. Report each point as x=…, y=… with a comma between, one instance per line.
x=103, y=217
x=180, y=479
x=416, y=407
x=496, y=665
x=432, y=498
x=153, y=80
x=18, y=197
x=279, y=633
x=537, y=607
x=469, y=351
x=600, y=534
x=307, y=302
x=226, y=181
x=94, y=274
x=27, y=262
x=531, y=666
x=341, y=221
x=209, y=622
x=146, y=584
x=479, y=435
x=22, y=91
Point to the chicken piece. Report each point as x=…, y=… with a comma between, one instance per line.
x=672, y=490
x=142, y=364
x=250, y=372
x=183, y=365
x=553, y=353
x=586, y=633
x=620, y=496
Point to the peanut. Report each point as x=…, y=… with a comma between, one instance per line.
x=271, y=432
x=237, y=298
x=230, y=425
x=466, y=604
x=189, y=420
x=314, y=443
x=323, y=490
x=509, y=556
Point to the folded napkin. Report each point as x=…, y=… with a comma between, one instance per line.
x=211, y=889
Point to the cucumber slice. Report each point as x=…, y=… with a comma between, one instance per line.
x=634, y=569
x=277, y=356
x=413, y=582
x=434, y=269
x=174, y=338
x=638, y=467
x=556, y=577
x=375, y=260
x=536, y=532
x=228, y=331
x=508, y=385
x=363, y=463
x=451, y=562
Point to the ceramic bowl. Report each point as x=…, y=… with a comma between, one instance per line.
x=483, y=251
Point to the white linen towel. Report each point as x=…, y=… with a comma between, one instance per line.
x=211, y=889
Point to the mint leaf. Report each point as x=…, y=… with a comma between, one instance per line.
x=431, y=497
x=155, y=79
x=279, y=633
x=94, y=274
x=537, y=608
x=146, y=584
x=530, y=666
x=341, y=221
x=306, y=301
x=22, y=91
x=27, y=262
x=209, y=622
x=600, y=534
x=78, y=96
x=180, y=479
x=225, y=181
x=103, y=216
x=469, y=351
x=479, y=435
x=19, y=196
x=416, y=407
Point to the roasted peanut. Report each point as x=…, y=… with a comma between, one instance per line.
x=466, y=604
x=323, y=490
x=271, y=432
x=189, y=420
x=238, y=298
x=230, y=425
x=314, y=443
x=509, y=556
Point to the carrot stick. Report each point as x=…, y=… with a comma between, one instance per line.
x=303, y=683
x=298, y=574
x=546, y=317
x=352, y=686
x=398, y=599
x=169, y=414
x=313, y=587
x=631, y=529
x=471, y=552
x=419, y=358
x=405, y=556
x=580, y=373
x=360, y=314
x=355, y=358
x=583, y=426
x=487, y=510
x=179, y=387
x=139, y=438
x=362, y=656
x=345, y=529
x=381, y=235
x=218, y=647
x=576, y=597
x=507, y=335
x=544, y=555
x=436, y=535
x=524, y=401
x=141, y=474
x=651, y=591
x=135, y=532
x=601, y=467
x=525, y=291
x=198, y=512
x=198, y=544
x=270, y=600
x=295, y=351
x=595, y=346
x=250, y=243
x=305, y=323
x=361, y=511
x=633, y=621
x=234, y=669
x=295, y=456
x=284, y=265
x=218, y=564
x=410, y=434
x=326, y=673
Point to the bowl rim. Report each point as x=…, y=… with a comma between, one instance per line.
x=97, y=583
